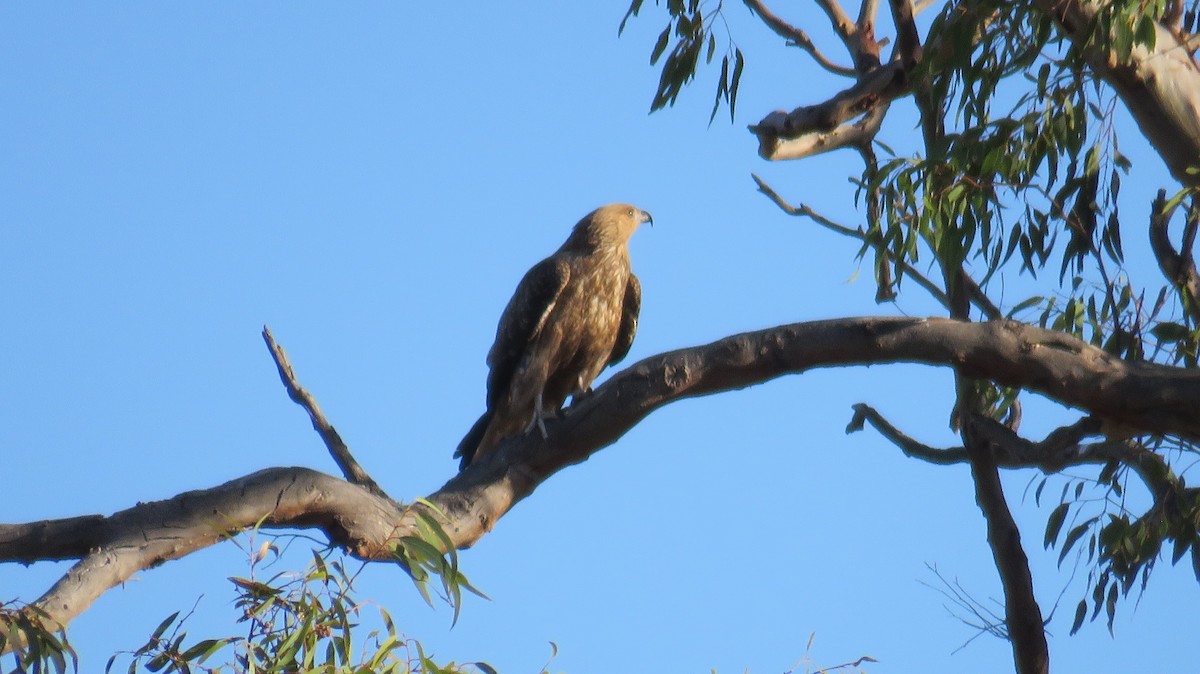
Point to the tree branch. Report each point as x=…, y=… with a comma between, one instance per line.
x=1062, y=448
x=1154, y=398
x=796, y=36
x=1022, y=615
x=1179, y=267
x=333, y=440
x=976, y=294
x=908, y=41
x=1160, y=87
x=813, y=129
x=112, y=549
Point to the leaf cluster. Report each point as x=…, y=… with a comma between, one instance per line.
x=30, y=640
x=1123, y=548
x=423, y=558
x=690, y=28
x=307, y=623
x=295, y=623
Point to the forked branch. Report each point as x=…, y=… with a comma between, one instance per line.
x=1154, y=398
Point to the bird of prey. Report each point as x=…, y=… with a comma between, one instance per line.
x=572, y=315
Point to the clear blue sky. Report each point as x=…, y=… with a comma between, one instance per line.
x=371, y=180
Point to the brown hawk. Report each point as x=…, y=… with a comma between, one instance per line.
x=572, y=315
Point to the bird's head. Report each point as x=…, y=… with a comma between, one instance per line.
x=613, y=223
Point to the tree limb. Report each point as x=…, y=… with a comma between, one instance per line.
x=1022, y=615
x=796, y=36
x=333, y=440
x=1062, y=448
x=1154, y=398
x=826, y=122
x=112, y=549
x=908, y=41
x=1159, y=86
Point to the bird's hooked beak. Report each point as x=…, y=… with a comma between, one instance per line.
x=646, y=217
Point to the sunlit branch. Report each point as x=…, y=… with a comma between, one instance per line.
x=825, y=123
x=841, y=22
x=796, y=36
x=333, y=441
x=866, y=15
x=1137, y=395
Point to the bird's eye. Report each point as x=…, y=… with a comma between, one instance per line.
x=629, y=212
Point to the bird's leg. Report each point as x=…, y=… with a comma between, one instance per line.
x=538, y=420
x=582, y=391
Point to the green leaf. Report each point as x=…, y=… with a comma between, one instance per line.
x=1055, y=522
x=204, y=649
x=1180, y=548
x=1196, y=559
x=738, y=64
x=1080, y=614
x=634, y=8
x=660, y=45
x=1110, y=606
x=1147, y=34
x=1170, y=332
x=1073, y=536
x=722, y=89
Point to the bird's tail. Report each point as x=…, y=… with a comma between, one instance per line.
x=470, y=442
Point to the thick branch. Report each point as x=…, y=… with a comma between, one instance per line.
x=858, y=37
x=1161, y=87
x=1022, y=615
x=111, y=549
x=1150, y=397
x=908, y=41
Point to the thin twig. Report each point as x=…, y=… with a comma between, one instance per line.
x=796, y=36
x=350, y=468
x=804, y=210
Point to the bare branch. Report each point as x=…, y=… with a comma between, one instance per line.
x=977, y=296
x=1062, y=448
x=796, y=36
x=842, y=24
x=112, y=549
x=826, y=123
x=1153, y=398
x=866, y=15
x=907, y=444
x=333, y=441
x=1022, y=615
